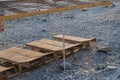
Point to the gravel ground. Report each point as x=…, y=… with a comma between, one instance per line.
x=100, y=22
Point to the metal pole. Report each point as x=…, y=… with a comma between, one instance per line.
x=64, y=49
x=64, y=44
x=5, y=39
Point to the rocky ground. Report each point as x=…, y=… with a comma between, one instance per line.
x=100, y=22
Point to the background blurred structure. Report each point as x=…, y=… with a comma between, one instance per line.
x=1, y=22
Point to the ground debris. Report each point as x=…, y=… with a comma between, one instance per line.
x=67, y=66
x=102, y=49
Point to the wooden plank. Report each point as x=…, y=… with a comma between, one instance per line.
x=74, y=38
x=25, y=52
x=53, y=42
x=14, y=58
x=3, y=69
x=36, y=44
x=15, y=55
x=50, y=46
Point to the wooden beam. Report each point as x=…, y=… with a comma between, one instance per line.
x=21, y=15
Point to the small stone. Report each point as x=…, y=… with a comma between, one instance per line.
x=44, y=20
x=118, y=77
x=44, y=30
x=84, y=71
x=84, y=9
x=67, y=66
x=113, y=5
x=69, y=16
x=102, y=49
x=100, y=67
x=111, y=67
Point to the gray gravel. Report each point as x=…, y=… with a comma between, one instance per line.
x=100, y=22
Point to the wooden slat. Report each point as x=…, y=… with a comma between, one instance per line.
x=16, y=58
x=73, y=38
x=52, y=46
x=43, y=46
x=18, y=55
x=53, y=42
x=25, y=52
x=2, y=69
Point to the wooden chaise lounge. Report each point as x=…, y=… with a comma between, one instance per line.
x=5, y=72
x=73, y=39
x=54, y=46
x=22, y=58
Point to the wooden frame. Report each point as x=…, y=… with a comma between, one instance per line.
x=73, y=39
x=54, y=46
x=22, y=57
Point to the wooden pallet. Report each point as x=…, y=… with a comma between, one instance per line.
x=5, y=72
x=73, y=39
x=60, y=44
x=23, y=58
x=54, y=46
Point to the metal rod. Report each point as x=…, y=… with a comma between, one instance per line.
x=5, y=39
x=64, y=49
x=64, y=61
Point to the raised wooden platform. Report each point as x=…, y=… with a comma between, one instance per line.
x=54, y=46
x=73, y=39
x=22, y=57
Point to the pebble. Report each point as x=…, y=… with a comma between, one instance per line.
x=100, y=67
x=103, y=49
x=118, y=77
x=67, y=66
x=112, y=67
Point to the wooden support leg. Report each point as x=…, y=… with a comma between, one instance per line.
x=20, y=67
x=79, y=47
x=55, y=55
x=71, y=51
